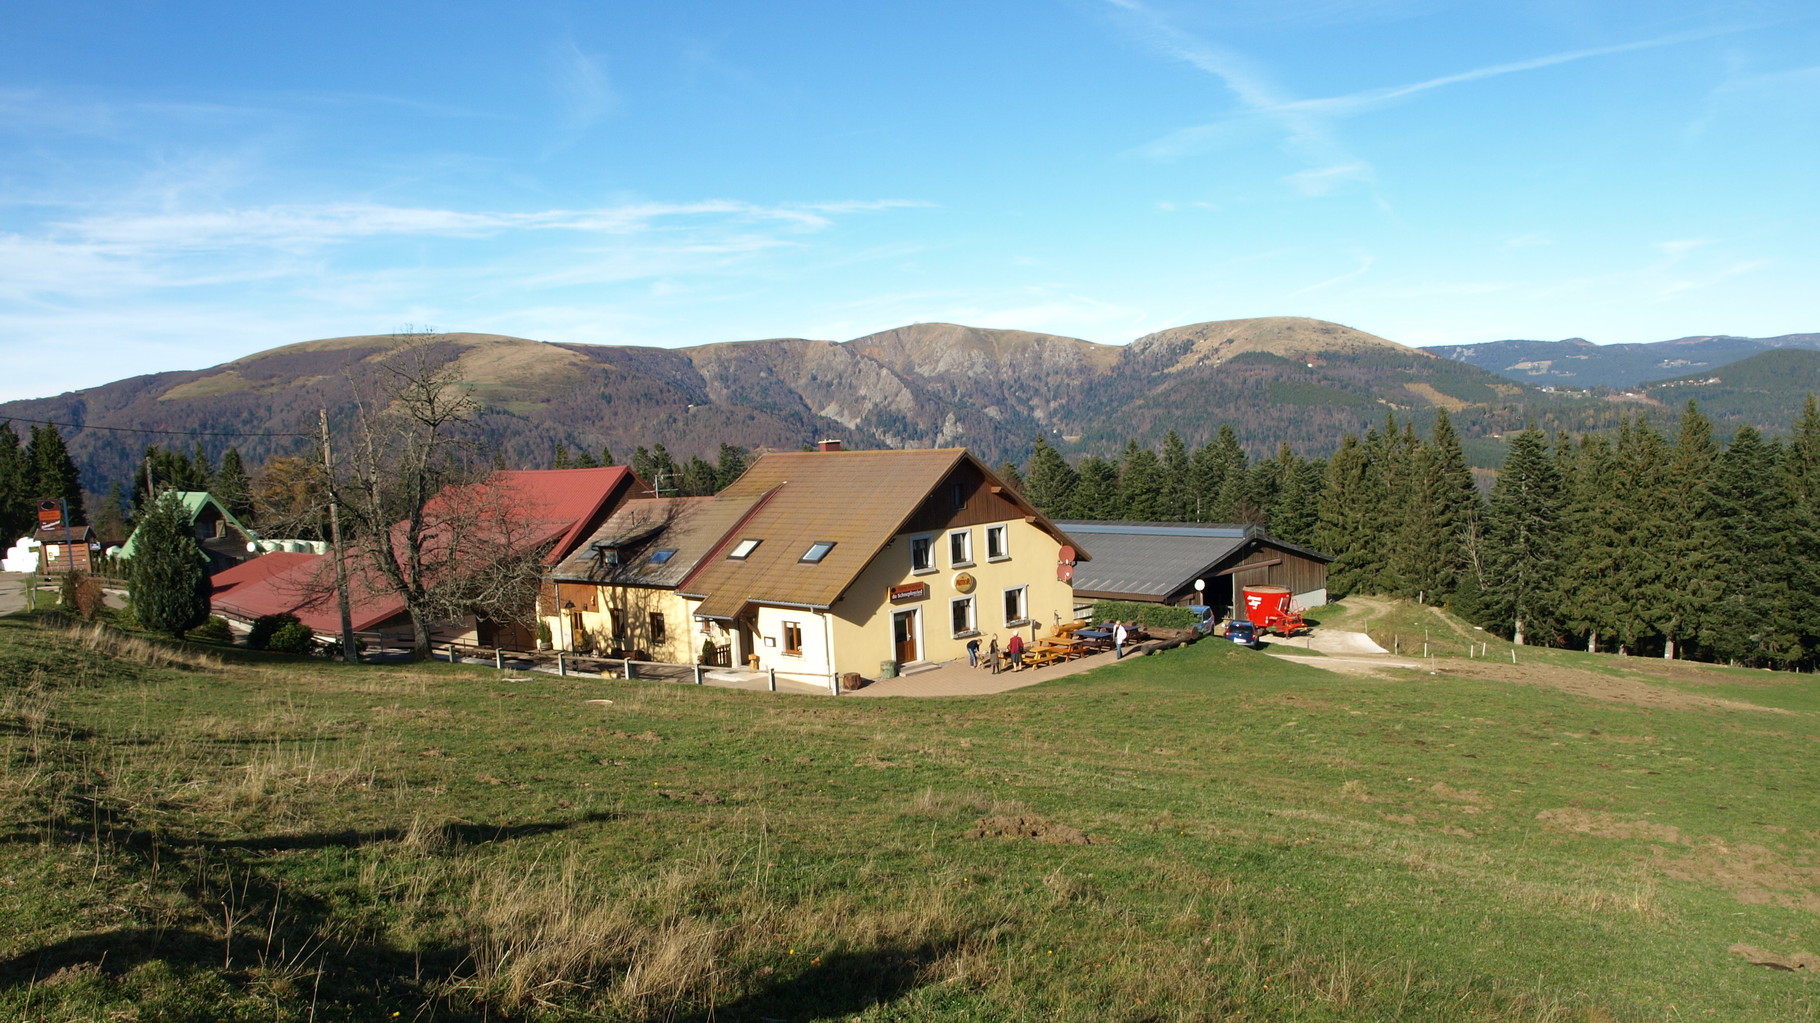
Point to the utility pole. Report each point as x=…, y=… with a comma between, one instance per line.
x=348, y=652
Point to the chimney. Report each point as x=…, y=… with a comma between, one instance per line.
x=827, y=445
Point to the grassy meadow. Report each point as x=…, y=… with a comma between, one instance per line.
x=1209, y=833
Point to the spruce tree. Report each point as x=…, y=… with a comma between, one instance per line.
x=1345, y=524
x=1634, y=522
x=16, y=514
x=1213, y=462
x=729, y=466
x=1096, y=493
x=1523, y=533
x=1744, y=623
x=1051, y=481
x=53, y=472
x=1178, y=480
x=1141, y=484
x=232, y=487
x=1800, y=535
x=166, y=572
x=1008, y=474
x=698, y=477
x=560, y=459
x=1591, y=525
x=1688, y=533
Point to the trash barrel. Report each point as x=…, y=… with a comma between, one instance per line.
x=887, y=669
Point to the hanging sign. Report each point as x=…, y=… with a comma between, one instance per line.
x=909, y=592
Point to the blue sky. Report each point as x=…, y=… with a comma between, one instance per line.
x=185, y=183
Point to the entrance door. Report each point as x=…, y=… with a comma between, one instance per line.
x=903, y=635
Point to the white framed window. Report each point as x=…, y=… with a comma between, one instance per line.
x=960, y=613
x=1017, y=605
x=922, y=554
x=744, y=548
x=793, y=639
x=960, y=548
x=998, y=546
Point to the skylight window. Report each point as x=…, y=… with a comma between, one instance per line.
x=659, y=557
x=818, y=550
x=745, y=548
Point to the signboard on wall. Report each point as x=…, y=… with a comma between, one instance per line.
x=908, y=592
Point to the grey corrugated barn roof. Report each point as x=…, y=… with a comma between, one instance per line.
x=1158, y=558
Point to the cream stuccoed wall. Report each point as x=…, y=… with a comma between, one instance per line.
x=811, y=665
x=861, y=620
x=681, y=643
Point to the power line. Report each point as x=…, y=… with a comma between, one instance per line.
x=142, y=429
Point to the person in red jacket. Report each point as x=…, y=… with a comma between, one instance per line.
x=1015, y=651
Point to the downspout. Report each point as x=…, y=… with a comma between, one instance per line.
x=828, y=652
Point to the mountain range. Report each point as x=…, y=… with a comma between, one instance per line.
x=1577, y=362
x=1276, y=380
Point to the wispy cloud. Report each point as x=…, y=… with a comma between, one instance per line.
x=583, y=89
x=1365, y=263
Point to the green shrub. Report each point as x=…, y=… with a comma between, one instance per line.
x=166, y=573
x=292, y=638
x=266, y=626
x=215, y=630
x=543, y=630
x=1160, y=616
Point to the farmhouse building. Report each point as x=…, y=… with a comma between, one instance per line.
x=820, y=563
x=221, y=536
x=549, y=510
x=1159, y=562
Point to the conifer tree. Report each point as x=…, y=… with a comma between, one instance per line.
x=53, y=472
x=232, y=487
x=1141, y=484
x=1008, y=473
x=1524, y=539
x=1051, y=480
x=1096, y=491
x=698, y=477
x=1745, y=623
x=1687, y=533
x=1800, y=536
x=1634, y=523
x=166, y=573
x=16, y=514
x=729, y=466
x=586, y=460
x=1178, y=480
x=1297, y=509
x=1345, y=524
x=1590, y=522
x=560, y=460
x=1213, y=463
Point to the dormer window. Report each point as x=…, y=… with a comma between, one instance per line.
x=817, y=551
x=744, y=549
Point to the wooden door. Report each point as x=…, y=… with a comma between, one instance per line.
x=903, y=635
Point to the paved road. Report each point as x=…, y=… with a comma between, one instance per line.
x=12, y=591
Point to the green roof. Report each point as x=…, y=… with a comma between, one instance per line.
x=194, y=501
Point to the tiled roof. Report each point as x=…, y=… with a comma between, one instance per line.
x=686, y=526
x=546, y=506
x=855, y=500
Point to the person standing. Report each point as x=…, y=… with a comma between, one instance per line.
x=1015, y=651
x=1118, y=641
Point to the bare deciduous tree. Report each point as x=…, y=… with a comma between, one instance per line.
x=425, y=524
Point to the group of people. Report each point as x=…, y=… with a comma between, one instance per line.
x=1013, y=659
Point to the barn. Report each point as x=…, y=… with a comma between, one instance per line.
x=1159, y=563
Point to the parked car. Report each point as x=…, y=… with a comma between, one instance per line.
x=1242, y=632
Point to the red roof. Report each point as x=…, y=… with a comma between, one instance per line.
x=536, y=507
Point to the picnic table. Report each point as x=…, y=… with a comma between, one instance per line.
x=1049, y=651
